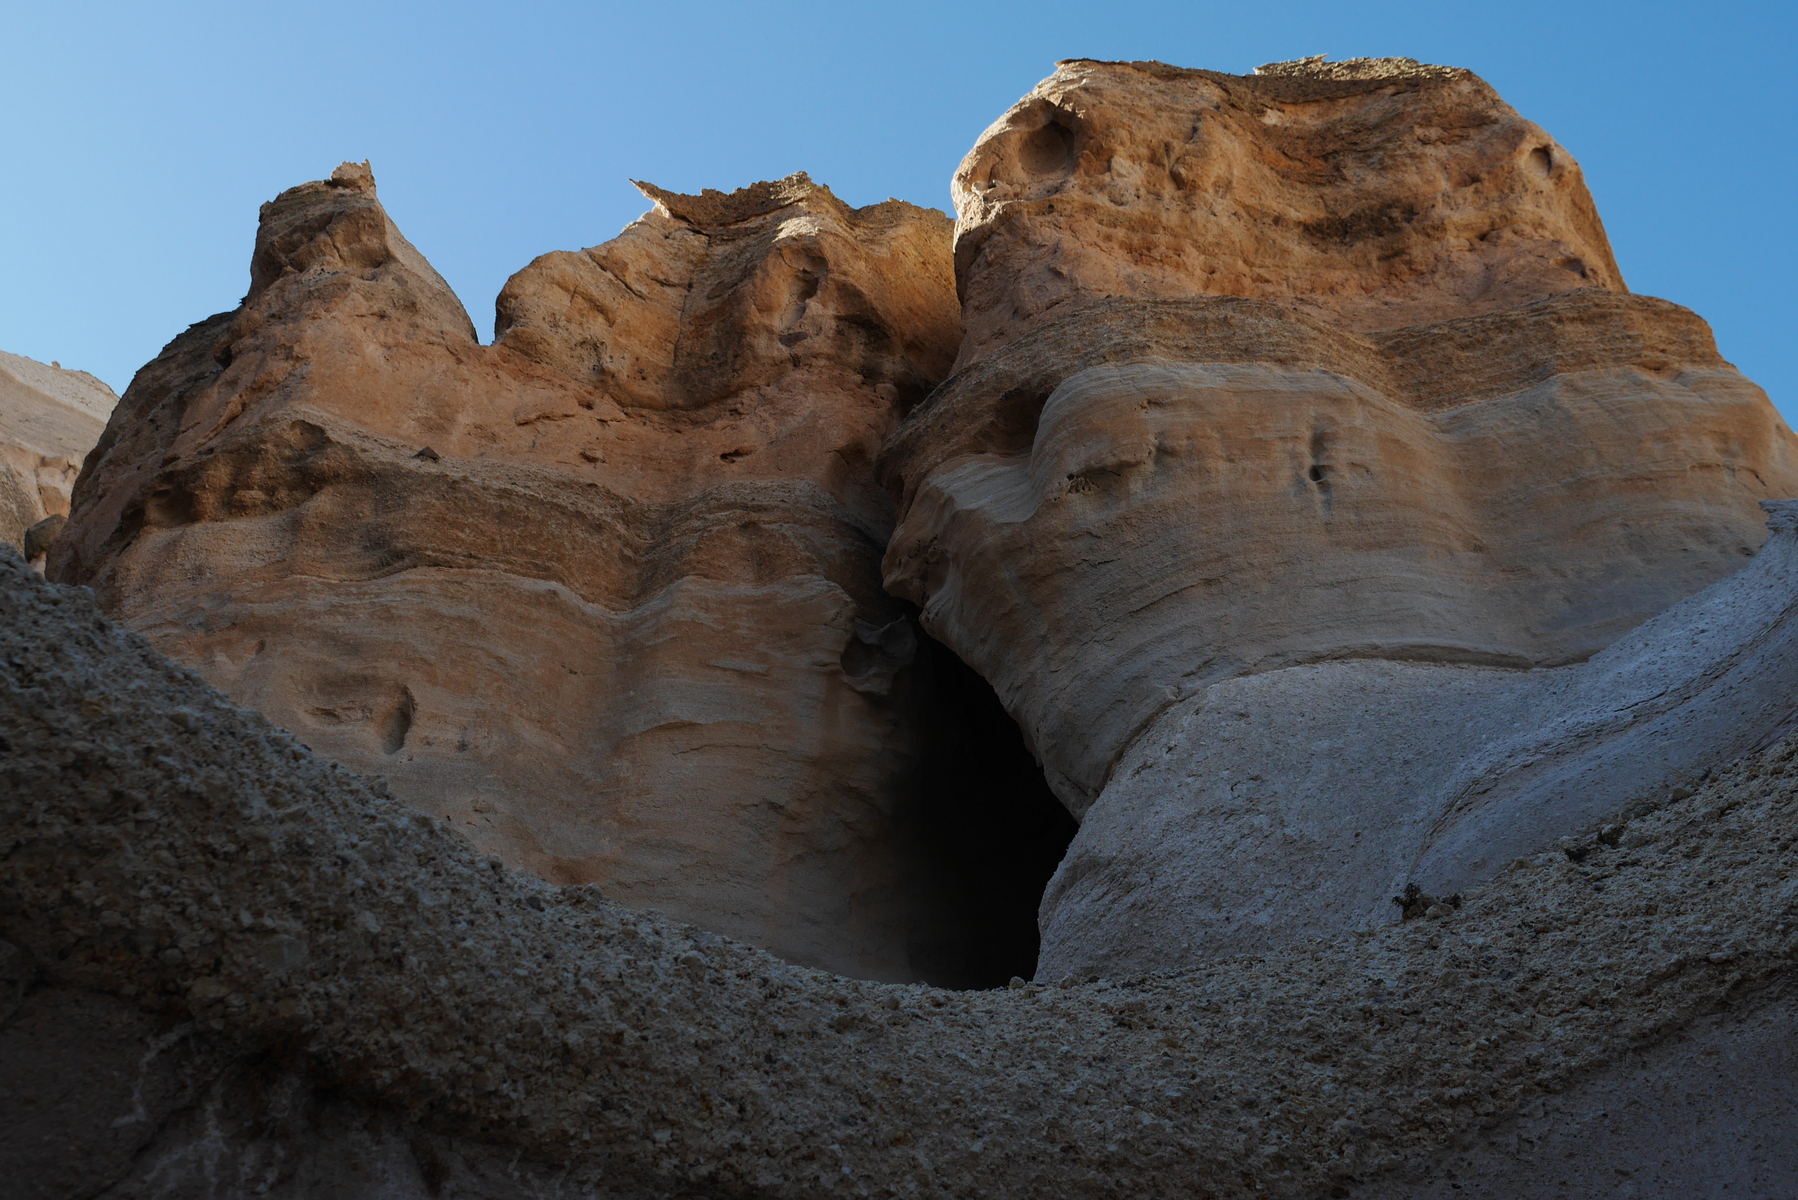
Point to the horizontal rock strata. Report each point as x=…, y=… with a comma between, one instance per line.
x=1382, y=584
x=604, y=594
x=1223, y=486
x=457, y=1014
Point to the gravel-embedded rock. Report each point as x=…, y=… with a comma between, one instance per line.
x=1338, y=527
x=278, y=936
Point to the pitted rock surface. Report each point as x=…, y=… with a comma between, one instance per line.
x=1379, y=196
x=1336, y=524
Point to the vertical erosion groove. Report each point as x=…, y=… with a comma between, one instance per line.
x=396, y=722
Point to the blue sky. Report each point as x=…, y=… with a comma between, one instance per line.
x=140, y=139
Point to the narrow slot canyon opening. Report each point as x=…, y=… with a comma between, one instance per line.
x=990, y=830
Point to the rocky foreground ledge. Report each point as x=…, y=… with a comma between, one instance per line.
x=237, y=969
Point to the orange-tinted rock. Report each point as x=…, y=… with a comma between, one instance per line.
x=605, y=594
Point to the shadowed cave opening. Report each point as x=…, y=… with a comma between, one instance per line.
x=990, y=830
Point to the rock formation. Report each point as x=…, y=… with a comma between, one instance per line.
x=1302, y=426
x=49, y=419
x=1303, y=479
x=1376, y=194
x=230, y=968
x=605, y=593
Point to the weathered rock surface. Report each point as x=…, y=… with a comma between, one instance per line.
x=1712, y=1111
x=49, y=419
x=1206, y=431
x=266, y=976
x=1376, y=194
x=606, y=593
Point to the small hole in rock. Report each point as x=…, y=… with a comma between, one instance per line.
x=1543, y=159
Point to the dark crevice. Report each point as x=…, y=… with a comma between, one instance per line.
x=991, y=832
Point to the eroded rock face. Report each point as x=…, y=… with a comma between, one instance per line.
x=712, y=296
x=1375, y=194
x=604, y=594
x=1212, y=421
x=49, y=419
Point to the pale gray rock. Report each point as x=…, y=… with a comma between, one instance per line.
x=1161, y=525
x=1295, y=803
x=1279, y=515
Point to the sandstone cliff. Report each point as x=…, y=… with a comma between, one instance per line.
x=49, y=419
x=605, y=594
x=1326, y=365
